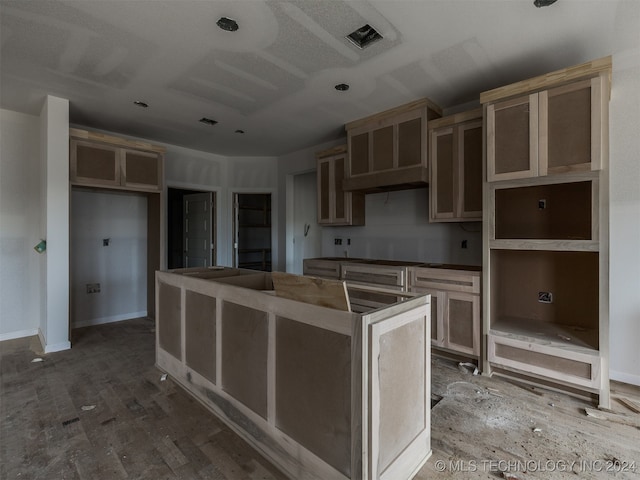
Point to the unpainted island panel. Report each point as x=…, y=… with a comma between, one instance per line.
x=244, y=356
x=201, y=334
x=402, y=390
x=313, y=388
x=169, y=331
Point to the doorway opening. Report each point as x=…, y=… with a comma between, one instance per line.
x=191, y=228
x=252, y=231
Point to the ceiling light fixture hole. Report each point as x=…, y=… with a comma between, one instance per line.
x=239, y=131
x=543, y=3
x=141, y=104
x=342, y=87
x=227, y=24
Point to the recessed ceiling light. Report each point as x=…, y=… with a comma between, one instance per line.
x=141, y=104
x=342, y=87
x=227, y=24
x=239, y=131
x=543, y=3
x=364, y=36
x=207, y=121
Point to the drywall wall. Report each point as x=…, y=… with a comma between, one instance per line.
x=20, y=219
x=397, y=228
x=397, y=225
x=54, y=153
x=118, y=267
x=624, y=286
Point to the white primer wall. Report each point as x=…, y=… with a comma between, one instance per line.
x=20, y=219
x=119, y=268
x=624, y=152
x=397, y=228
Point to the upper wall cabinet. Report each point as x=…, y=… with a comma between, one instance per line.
x=106, y=161
x=455, y=161
x=335, y=206
x=552, y=131
x=389, y=149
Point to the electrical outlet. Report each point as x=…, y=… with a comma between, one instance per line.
x=337, y=241
x=542, y=204
x=463, y=244
x=545, y=297
x=93, y=288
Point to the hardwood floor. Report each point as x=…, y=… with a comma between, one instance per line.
x=101, y=411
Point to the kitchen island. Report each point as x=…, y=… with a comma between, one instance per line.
x=323, y=393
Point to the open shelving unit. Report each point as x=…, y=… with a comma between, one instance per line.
x=545, y=230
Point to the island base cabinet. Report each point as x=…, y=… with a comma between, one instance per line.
x=321, y=393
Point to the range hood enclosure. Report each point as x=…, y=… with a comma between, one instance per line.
x=388, y=151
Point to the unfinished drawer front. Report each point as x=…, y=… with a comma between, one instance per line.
x=568, y=366
x=385, y=276
x=444, y=279
x=321, y=268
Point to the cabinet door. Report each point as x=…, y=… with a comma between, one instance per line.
x=570, y=126
x=410, y=142
x=359, y=153
x=512, y=139
x=470, y=170
x=94, y=164
x=462, y=322
x=443, y=188
x=341, y=199
x=438, y=303
x=141, y=170
x=383, y=148
x=324, y=191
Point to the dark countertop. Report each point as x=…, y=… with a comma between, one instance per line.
x=400, y=263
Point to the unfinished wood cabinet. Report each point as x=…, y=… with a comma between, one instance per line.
x=555, y=130
x=107, y=161
x=455, y=307
x=322, y=393
x=455, y=163
x=546, y=236
x=335, y=206
x=97, y=160
x=389, y=149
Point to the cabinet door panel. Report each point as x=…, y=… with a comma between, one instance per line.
x=462, y=322
x=471, y=170
x=383, y=148
x=443, y=188
x=566, y=117
x=359, y=153
x=324, y=204
x=94, y=164
x=512, y=139
x=410, y=143
x=340, y=206
x=141, y=169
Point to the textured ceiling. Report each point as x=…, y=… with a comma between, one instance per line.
x=274, y=77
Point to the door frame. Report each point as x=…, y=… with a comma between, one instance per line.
x=216, y=212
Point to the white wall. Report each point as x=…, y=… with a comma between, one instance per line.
x=624, y=270
x=120, y=268
x=397, y=228
x=20, y=219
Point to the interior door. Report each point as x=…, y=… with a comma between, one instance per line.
x=198, y=238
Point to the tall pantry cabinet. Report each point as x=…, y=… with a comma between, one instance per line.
x=545, y=229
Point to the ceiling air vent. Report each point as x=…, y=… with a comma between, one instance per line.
x=207, y=121
x=364, y=36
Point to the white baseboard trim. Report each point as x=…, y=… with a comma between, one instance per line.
x=18, y=334
x=56, y=347
x=111, y=319
x=625, y=377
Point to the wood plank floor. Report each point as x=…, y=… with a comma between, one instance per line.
x=100, y=411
